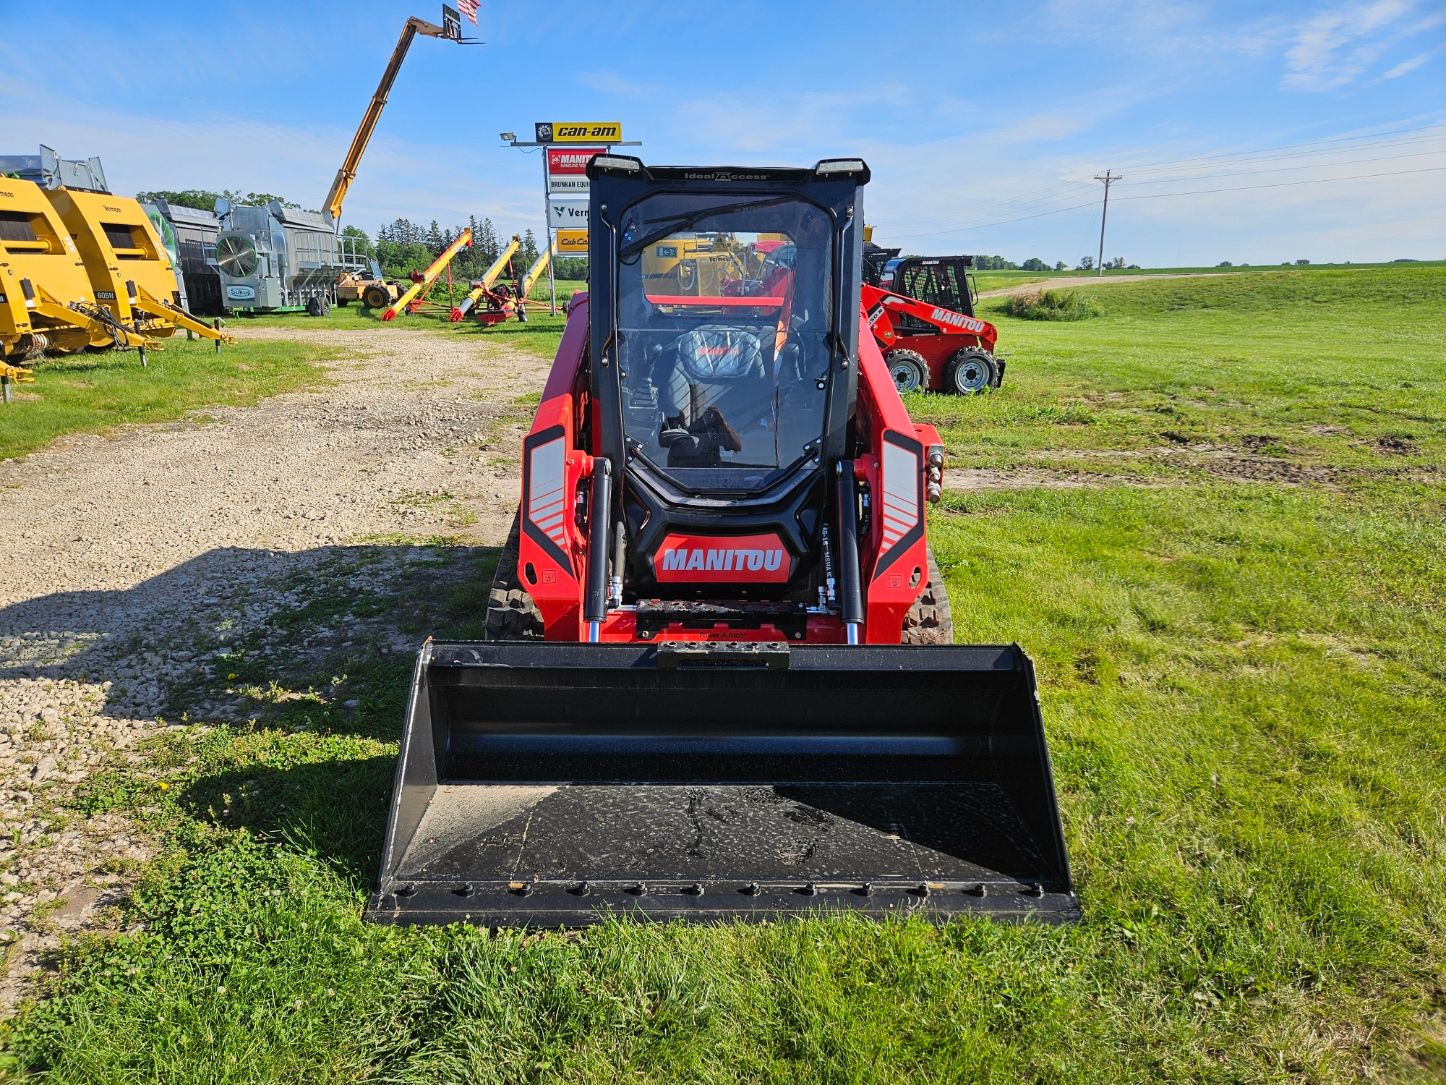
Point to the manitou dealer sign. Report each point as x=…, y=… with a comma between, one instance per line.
x=567, y=170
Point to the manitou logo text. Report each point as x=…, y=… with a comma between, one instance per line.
x=741, y=559
x=968, y=323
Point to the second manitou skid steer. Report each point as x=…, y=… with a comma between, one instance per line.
x=719, y=680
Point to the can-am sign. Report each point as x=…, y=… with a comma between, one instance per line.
x=578, y=131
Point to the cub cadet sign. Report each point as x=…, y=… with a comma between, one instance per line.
x=572, y=241
x=579, y=131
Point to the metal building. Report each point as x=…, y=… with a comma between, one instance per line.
x=193, y=234
x=278, y=259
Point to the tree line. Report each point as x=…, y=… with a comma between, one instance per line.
x=403, y=246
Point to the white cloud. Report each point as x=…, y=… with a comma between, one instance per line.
x=1335, y=48
x=1407, y=66
x=295, y=160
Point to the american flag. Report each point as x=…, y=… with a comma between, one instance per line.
x=469, y=9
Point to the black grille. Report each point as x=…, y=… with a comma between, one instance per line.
x=119, y=235
x=16, y=226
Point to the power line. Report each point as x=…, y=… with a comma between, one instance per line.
x=1021, y=203
x=1323, y=152
x=1033, y=201
x=1283, y=184
x=1285, y=146
x=1284, y=169
x=1170, y=195
x=1104, y=210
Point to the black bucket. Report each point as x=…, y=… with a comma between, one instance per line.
x=546, y=784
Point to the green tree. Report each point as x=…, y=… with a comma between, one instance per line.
x=528, y=249
x=364, y=243
x=199, y=198
x=487, y=244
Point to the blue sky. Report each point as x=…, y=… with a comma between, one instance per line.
x=980, y=122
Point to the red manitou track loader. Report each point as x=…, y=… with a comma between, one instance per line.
x=921, y=312
x=719, y=681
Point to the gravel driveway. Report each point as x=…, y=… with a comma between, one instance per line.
x=134, y=558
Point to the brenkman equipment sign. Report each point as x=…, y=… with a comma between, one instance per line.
x=567, y=170
x=578, y=131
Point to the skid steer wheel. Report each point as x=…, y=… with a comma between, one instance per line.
x=970, y=371
x=376, y=297
x=907, y=368
x=511, y=613
x=930, y=621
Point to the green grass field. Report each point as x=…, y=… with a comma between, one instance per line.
x=93, y=393
x=1215, y=518
x=999, y=280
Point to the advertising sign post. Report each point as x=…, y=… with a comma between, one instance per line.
x=567, y=146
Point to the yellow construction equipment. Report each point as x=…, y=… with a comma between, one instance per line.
x=369, y=286
x=347, y=174
x=529, y=279
x=47, y=303
x=699, y=265
x=12, y=374
x=411, y=300
x=130, y=272
x=483, y=286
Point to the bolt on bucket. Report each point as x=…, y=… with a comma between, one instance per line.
x=546, y=784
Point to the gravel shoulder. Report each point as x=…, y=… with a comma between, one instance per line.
x=1065, y=282
x=135, y=558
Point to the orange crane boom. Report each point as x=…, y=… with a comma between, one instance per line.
x=347, y=174
x=435, y=268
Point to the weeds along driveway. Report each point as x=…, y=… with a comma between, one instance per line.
x=140, y=562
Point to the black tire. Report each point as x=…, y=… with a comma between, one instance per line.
x=971, y=371
x=521, y=311
x=511, y=613
x=930, y=620
x=376, y=297
x=343, y=302
x=326, y=306
x=313, y=306
x=909, y=370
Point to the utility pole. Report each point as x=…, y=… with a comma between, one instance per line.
x=1109, y=179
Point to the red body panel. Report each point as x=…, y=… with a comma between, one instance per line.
x=553, y=545
x=953, y=331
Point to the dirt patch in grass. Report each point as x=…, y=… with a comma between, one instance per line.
x=1023, y=478
x=1394, y=444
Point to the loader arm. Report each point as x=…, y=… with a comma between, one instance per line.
x=104, y=329
x=174, y=314
x=347, y=174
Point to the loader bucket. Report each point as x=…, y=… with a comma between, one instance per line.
x=547, y=784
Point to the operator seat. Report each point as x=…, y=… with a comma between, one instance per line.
x=714, y=385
